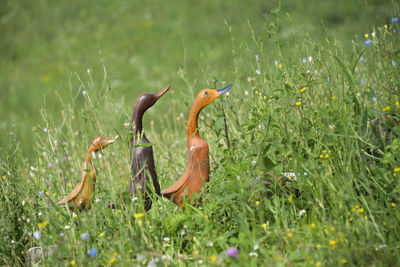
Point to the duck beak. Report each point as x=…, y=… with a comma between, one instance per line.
x=162, y=92
x=223, y=90
x=112, y=140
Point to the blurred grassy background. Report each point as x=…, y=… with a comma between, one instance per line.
x=46, y=45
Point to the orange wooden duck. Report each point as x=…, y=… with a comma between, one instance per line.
x=197, y=170
x=79, y=198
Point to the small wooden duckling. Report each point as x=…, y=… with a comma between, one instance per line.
x=79, y=198
x=141, y=157
x=197, y=170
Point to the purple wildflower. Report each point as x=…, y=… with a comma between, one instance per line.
x=84, y=236
x=367, y=42
x=304, y=60
x=258, y=72
x=50, y=165
x=394, y=20
x=232, y=252
x=41, y=193
x=36, y=235
x=361, y=59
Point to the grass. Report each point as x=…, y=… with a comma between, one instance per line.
x=302, y=178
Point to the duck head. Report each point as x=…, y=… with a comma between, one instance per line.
x=207, y=96
x=145, y=101
x=101, y=142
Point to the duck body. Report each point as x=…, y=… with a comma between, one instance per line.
x=141, y=151
x=197, y=170
x=80, y=198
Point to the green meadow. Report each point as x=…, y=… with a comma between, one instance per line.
x=304, y=149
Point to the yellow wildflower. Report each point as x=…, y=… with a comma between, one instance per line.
x=290, y=199
x=72, y=263
x=117, y=211
x=298, y=103
x=313, y=225
x=139, y=215
x=4, y=177
x=332, y=243
x=42, y=224
x=257, y=202
x=290, y=235
x=318, y=264
x=333, y=97
x=213, y=259
x=392, y=204
x=397, y=170
x=302, y=90
x=318, y=246
x=101, y=234
x=343, y=261
x=366, y=35
x=280, y=66
x=386, y=108
x=112, y=260
x=326, y=156
x=144, y=262
x=360, y=210
x=196, y=252
x=397, y=103
x=116, y=254
x=264, y=225
x=333, y=229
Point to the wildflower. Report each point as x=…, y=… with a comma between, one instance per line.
x=373, y=34
x=362, y=81
x=367, y=42
x=4, y=177
x=41, y=193
x=264, y=225
x=257, y=203
x=280, y=66
x=304, y=60
x=67, y=227
x=36, y=235
x=72, y=263
x=39, y=213
x=246, y=92
x=210, y=244
x=361, y=59
x=117, y=211
x=393, y=204
x=253, y=254
x=258, y=72
x=101, y=234
x=42, y=224
x=139, y=215
x=61, y=234
x=310, y=58
x=255, y=247
x=112, y=260
x=84, y=236
x=332, y=243
x=302, y=90
x=75, y=215
x=116, y=254
x=313, y=225
x=23, y=202
x=366, y=35
x=333, y=97
x=332, y=127
x=394, y=63
x=333, y=229
x=386, y=108
x=50, y=165
x=93, y=252
x=394, y=20
x=360, y=210
x=254, y=162
x=374, y=99
x=213, y=259
x=290, y=199
x=298, y=103
x=290, y=235
x=166, y=239
x=232, y=252
x=302, y=212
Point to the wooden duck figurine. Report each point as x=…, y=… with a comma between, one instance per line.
x=141, y=155
x=197, y=170
x=79, y=198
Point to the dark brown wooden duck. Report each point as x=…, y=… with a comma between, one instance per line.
x=141, y=155
x=79, y=199
x=197, y=170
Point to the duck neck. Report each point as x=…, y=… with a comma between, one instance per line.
x=137, y=118
x=192, y=126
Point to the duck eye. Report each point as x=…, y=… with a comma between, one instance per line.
x=206, y=93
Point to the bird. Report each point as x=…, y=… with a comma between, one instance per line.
x=79, y=198
x=141, y=151
x=197, y=169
